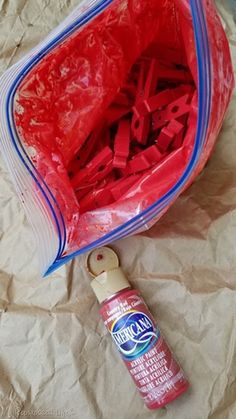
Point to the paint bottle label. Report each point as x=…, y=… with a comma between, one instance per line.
x=150, y=362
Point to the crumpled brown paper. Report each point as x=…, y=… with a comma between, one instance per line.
x=56, y=358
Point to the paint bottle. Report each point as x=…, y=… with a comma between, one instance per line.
x=155, y=372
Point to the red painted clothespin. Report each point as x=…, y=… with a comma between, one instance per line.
x=96, y=199
x=173, y=74
x=87, y=148
x=153, y=103
x=162, y=99
x=168, y=134
x=104, y=196
x=84, y=190
x=122, y=144
x=178, y=140
x=146, y=88
x=99, y=167
x=173, y=111
x=144, y=160
x=122, y=186
x=101, y=196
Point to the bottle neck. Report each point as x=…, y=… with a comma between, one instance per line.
x=109, y=283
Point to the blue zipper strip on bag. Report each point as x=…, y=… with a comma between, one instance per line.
x=204, y=105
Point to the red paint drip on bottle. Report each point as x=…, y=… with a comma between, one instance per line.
x=151, y=364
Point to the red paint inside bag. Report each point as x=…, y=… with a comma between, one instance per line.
x=109, y=115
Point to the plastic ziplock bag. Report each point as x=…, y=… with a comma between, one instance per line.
x=54, y=98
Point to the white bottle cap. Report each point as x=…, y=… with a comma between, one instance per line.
x=109, y=279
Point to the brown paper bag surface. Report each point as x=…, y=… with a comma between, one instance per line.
x=56, y=358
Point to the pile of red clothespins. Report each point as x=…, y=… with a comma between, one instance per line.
x=146, y=121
